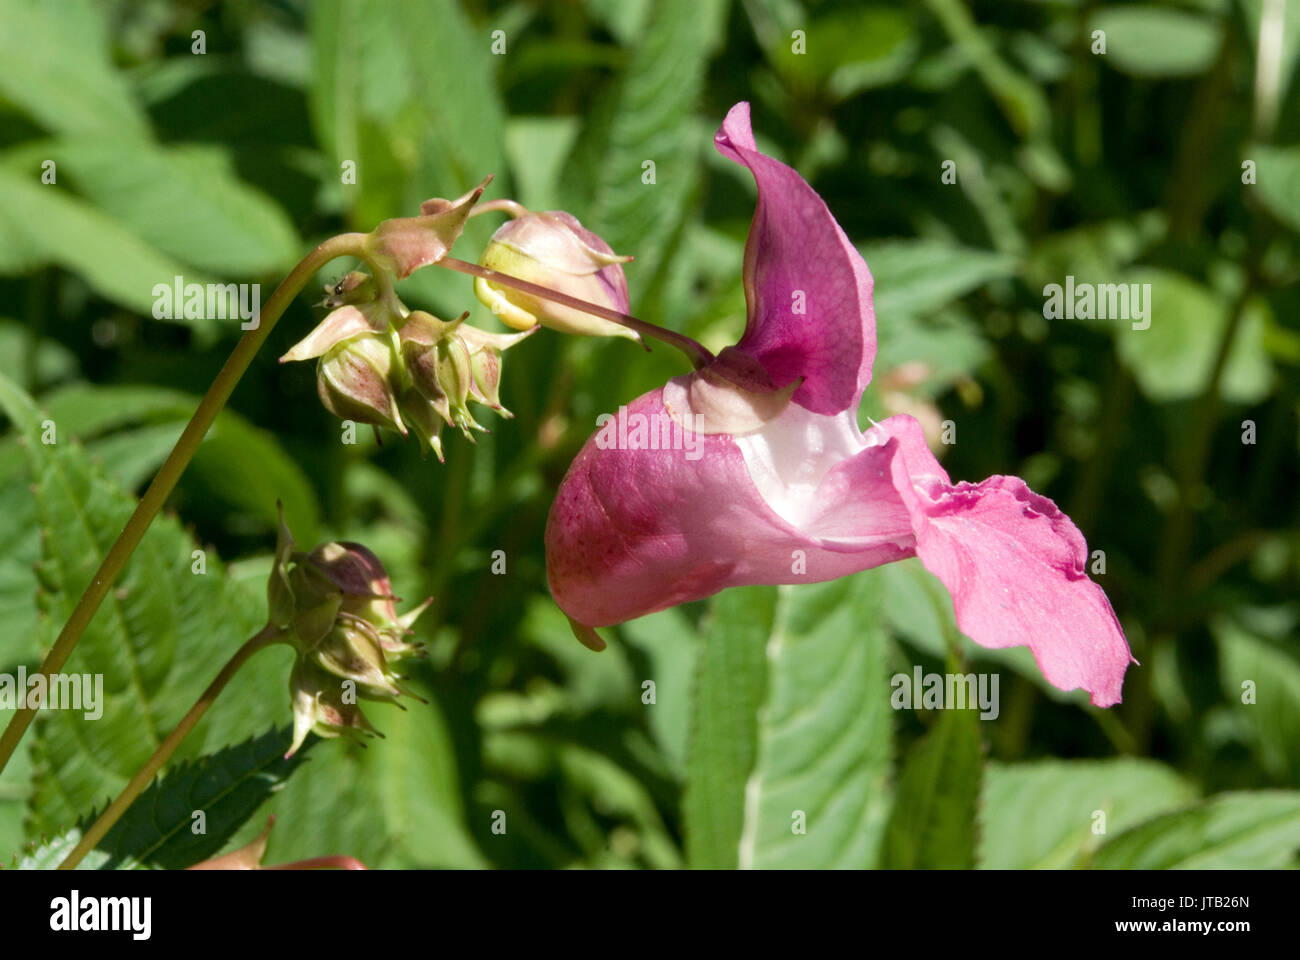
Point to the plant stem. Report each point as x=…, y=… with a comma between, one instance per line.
x=348, y=244
x=698, y=355
x=259, y=641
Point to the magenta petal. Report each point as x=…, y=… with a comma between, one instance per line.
x=1015, y=566
x=798, y=258
x=636, y=531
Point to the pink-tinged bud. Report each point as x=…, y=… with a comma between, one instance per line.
x=323, y=704
x=554, y=250
x=339, y=326
x=404, y=244
x=354, y=382
x=352, y=651
x=335, y=607
x=449, y=364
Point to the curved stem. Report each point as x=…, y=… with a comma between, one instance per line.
x=699, y=356
x=348, y=244
x=259, y=641
x=511, y=207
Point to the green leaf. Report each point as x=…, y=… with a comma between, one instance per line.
x=44, y=224
x=57, y=69
x=1150, y=41
x=730, y=682
x=394, y=804
x=1043, y=814
x=1231, y=831
x=670, y=645
x=792, y=730
x=186, y=201
x=848, y=50
x=1173, y=358
x=643, y=119
x=158, y=639
x=917, y=277
x=933, y=821
x=131, y=429
x=227, y=787
x=1273, y=713
x=1277, y=181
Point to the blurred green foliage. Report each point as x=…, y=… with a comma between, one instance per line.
x=1173, y=158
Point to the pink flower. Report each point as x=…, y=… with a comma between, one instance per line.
x=753, y=470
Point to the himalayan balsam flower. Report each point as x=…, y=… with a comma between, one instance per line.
x=788, y=490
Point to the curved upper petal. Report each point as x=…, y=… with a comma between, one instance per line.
x=808, y=289
x=1015, y=566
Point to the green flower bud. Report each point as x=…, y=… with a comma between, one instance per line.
x=323, y=704
x=354, y=380
x=449, y=364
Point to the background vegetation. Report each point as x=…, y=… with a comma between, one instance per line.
x=1122, y=167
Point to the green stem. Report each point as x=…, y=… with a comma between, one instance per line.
x=348, y=244
x=698, y=355
x=144, y=776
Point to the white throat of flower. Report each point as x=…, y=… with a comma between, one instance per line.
x=789, y=457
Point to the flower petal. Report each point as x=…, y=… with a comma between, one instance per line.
x=633, y=531
x=1015, y=566
x=798, y=259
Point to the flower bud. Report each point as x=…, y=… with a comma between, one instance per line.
x=404, y=244
x=323, y=705
x=554, y=250
x=449, y=364
x=353, y=379
x=355, y=310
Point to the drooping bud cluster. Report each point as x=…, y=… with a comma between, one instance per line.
x=381, y=364
x=335, y=607
x=556, y=251
x=406, y=371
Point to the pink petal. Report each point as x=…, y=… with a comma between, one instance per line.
x=1016, y=568
x=636, y=531
x=796, y=247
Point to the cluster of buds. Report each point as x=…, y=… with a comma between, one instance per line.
x=380, y=364
x=335, y=607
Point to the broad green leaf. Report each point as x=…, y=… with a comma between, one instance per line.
x=1151, y=41
x=1051, y=813
x=792, y=730
x=185, y=201
x=394, y=804
x=159, y=830
x=848, y=50
x=131, y=429
x=158, y=639
x=729, y=688
x=1230, y=831
x=669, y=644
x=932, y=825
x=32, y=362
x=57, y=69
x=918, y=277
x=1173, y=358
x=1251, y=667
x=48, y=225
x=1277, y=181
x=1023, y=103
x=642, y=121
x=537, y=148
